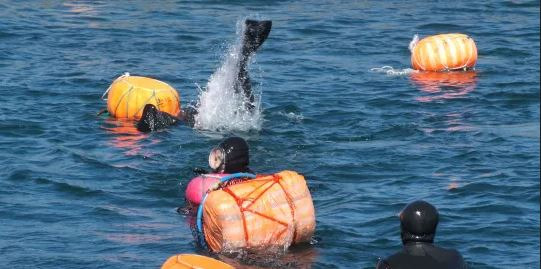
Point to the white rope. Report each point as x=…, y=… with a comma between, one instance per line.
x=411, y=47
x=126, y=74
x=389, y=70
x=446, y=68
x=414, y=42
x=382, y=69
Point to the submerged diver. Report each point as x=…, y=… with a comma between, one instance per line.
x=418, y=222
x=255, y=33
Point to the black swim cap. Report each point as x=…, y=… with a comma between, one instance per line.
x=418, y=222
x=235, y=156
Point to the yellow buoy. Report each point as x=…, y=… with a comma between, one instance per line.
x=128, y=95
x=444, y=52
x=190, y=261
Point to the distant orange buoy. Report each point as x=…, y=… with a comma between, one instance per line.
x=128, y=95
x=190, y=261
x=444, y=52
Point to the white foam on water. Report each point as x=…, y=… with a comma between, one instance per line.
x=390, y=71
x=295, y=117
x=219, y=107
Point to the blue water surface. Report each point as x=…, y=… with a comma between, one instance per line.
x=83, y=191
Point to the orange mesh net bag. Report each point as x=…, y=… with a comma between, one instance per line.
x=266, y=212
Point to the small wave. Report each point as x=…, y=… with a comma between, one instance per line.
x=6, y=35
x=300, y=256
x=66, y=187
x=133, y=238
x=441, y=27
x=528, y=130
x=390, y=71
x=295, y=117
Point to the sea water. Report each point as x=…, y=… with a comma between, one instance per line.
x=84, y=191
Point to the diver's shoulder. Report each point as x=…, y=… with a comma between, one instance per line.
x=395, y=261
x=451, y=257
x=451, y=252
x=423, y=255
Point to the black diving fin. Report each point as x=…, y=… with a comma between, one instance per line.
x=255, y=33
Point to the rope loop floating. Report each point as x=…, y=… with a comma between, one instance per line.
x=126, y=74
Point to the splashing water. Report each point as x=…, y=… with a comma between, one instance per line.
x=389, y=70
x=220, y=107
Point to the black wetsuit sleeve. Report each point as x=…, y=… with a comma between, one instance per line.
x=461, y=263
x=153, y=119
x=188, y=115
x=382, y=264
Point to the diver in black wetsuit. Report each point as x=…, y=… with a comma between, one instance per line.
x=418, y=222
x=255, y=33
x=230, y=156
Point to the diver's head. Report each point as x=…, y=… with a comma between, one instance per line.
x=418, y=222
x=230, y=156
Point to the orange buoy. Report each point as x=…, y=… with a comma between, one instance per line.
x=128, y=95
x=268, y=212
x=190, y=261
x=444, y=52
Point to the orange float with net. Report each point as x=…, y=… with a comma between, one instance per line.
x=444, y=52
x=191, y=261
x=245, y=211
x=128, y=95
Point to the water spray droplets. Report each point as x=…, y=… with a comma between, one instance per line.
x=220, y=106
